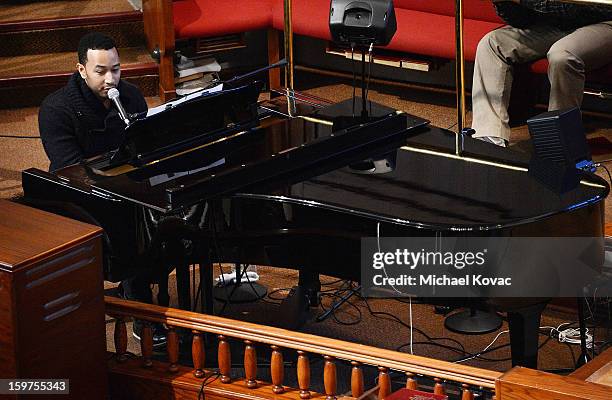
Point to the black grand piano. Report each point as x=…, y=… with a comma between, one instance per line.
x=256, y=186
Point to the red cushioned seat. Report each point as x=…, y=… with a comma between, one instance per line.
x=203, y=18
x=425, y=27
x=310, y=17
x=472, y=9
x=434, y=35
x=418, y=32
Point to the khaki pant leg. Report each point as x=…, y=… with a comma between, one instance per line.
x=496, y=55
x=585, y=49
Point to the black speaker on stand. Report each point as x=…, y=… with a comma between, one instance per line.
x=361, y=25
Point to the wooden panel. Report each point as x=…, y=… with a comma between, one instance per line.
x=28, y=235
x=63, y=297
x=608, y=229
x=273, y=56
x=52, y=300
x=603, y=376
x=159, y=30
x=588, y=369
x=523, y=383
x=8, y=357
x=129, y=381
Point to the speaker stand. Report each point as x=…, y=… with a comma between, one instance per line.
x=584, y=357
x=240, y=292
x=473, y=322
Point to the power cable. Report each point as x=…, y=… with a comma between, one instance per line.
x=607, y=170
x=19, y=137
x=207, y=381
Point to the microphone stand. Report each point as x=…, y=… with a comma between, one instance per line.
x=237, y=78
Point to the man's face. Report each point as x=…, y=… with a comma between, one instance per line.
x=101, y=71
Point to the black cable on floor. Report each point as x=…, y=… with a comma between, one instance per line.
x=430, y=340
x=608, y=171
x=19, y=137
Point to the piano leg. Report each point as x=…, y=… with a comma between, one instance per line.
x=163, y=299
x=206, y=286
x=311, y=285
x=182, y=286
x=524, y=325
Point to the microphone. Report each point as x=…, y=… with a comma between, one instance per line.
x=113, y=94
x=277, y=64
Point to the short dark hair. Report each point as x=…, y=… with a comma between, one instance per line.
x=94, y=41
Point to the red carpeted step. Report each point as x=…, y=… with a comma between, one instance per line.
x=40, y=39
x=27, y=79
x=15, y=13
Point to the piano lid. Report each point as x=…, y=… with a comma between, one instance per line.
x=424, y=185
x=185, y=124
x=252, y=156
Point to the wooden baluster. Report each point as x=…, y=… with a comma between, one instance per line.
x=466, y=393
x=225, y=360
x=411, y=382
x=384, y=383
x=329, y=378
x=198, y=354
x=356, y=379
x=303, y=374
x=173, y=349
x=439, y=387
x=250, y=365
x=277, y=370
x=120, y=338
x=146, y=344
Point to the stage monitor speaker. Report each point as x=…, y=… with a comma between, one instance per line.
x=559, y=136
x=362, y=22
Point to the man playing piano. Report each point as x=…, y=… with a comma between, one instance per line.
x=574, y=37
x=78, y=122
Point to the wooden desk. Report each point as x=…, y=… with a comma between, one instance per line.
x=51, y=301
x=599, y=370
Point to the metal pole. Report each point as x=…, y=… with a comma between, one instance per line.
x=459, y=77
x=289, y=44
x=291, y=108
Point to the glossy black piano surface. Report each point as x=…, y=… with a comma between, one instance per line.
x=430, y=188
x=426, y=190
x=312, y=215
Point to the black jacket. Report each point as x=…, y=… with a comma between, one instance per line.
x=556, y=13
x=75, y=125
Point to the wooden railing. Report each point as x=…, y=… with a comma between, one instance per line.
x=142, y=377
x=434, y=373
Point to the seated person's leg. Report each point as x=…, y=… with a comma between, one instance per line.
x=587, y=48
x=138, y=288
x=496, y=55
